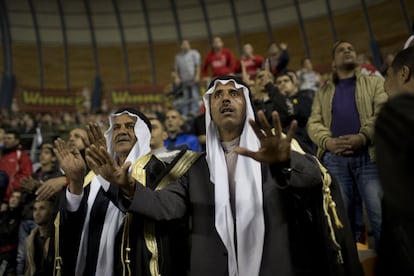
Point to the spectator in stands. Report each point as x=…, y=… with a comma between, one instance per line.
x=307, y=77
x=177, y=140
x=187, y=69
x=15, y=162
x=364, y=63
x=9, y=229
x=252, y=63
x=78, y=138
x=198, y=127
x=394, y=138
x=219, y=59
x=67, y=123
x=277, y=59
x=27, y=132
x=342, y=126
x=40, y=243
x=89, y=232
x=44, y=184
x=268, y=98
x=299, y=103
x=158, y=136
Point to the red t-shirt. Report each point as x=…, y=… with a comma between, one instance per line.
x=221, y=63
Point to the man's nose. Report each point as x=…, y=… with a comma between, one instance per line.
x=226, y=97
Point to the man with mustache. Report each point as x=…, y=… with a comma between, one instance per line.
x=341, y=125
x=256, y=211
x=95, y=236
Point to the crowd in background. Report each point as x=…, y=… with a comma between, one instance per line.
x=31, y=181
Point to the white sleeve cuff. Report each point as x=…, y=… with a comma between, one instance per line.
x=105, y=184
x=73, y=201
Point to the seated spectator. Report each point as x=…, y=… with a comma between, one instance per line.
x=299, y=108
x=9, y=229
x=177, y=140
x=199, y=128
x=268, y=98
x=40, y=242
x=44, y=183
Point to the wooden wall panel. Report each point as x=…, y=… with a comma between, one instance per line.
x=54, y=66
x=25, y=65
x=112, y=67
x=82, y=66
x=139, y=63
x=387, y=22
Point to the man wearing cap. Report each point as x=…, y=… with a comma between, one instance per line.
x=255, y=211
x=90, y=220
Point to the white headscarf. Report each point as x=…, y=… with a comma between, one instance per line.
x=249, y=196
x=114, y=217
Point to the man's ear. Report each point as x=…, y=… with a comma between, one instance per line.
x=405, y=73
x=164, y=135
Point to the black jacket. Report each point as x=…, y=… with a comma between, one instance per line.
x=297, y=239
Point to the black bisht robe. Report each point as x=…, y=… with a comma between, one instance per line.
x=297, y=239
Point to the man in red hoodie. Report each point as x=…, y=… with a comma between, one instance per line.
x=15, y=162
x=220, y=60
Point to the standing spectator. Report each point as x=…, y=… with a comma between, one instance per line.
x=187, y=69
x=40, y=242
x=342, y=126
x=9, y=229
x=307, y=77
x=394, y=149
x=251, y=62
x=364, y=63
x=15, y=162
x=277, y=59
x=177, y=139
x=219, y=59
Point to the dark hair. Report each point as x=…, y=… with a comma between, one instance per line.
x=404, y=57
x=336, y=44
x=136, y=112
x=14, y=132
x=284, y=74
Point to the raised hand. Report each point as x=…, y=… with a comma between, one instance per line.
x=72, y=163
x=273, y=147
x=102, y=163
x=95, y=136
x=28, y=184
x=50, y=187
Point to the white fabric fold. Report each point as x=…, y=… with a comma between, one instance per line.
x=114, y=217
x=249, y=197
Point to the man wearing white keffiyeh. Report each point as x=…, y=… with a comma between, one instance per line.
x=255, y=204
x=99, y=219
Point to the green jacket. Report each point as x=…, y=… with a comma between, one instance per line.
x=369, y=97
